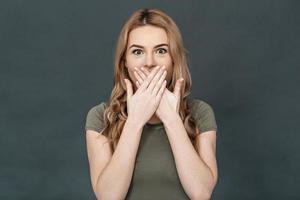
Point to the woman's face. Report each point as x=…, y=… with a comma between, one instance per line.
x=148, y=47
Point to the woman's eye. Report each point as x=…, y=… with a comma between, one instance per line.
x=136, y=50
x=139, y=51
x=162, y=50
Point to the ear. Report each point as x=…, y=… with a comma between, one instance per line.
x=125, y=63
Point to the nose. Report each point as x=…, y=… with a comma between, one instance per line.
x=150, y=62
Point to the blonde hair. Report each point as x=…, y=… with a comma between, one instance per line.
x=115, y=113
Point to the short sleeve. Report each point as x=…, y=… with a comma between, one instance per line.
x=94, y=118
x=204, y=116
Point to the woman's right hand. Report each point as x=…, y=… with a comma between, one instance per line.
x=143, y=103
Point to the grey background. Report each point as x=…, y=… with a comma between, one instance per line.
x=56, y=61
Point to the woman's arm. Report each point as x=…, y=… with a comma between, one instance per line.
x=195, y=175
x=114, y=181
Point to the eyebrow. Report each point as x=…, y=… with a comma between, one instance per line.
x=139, y=46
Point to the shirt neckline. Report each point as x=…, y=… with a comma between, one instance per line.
x=156, y=125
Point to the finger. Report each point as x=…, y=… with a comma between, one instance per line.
x=138, y=84
x=162, y=89
x=146, y=71
x=146, y=82
x=138, y=77
x=139, y=89
x=178, y=87
x=155, y=79
x=128, y=88
x=141, y=73
x=159, y=82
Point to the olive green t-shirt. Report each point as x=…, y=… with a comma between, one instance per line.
x=155, y=175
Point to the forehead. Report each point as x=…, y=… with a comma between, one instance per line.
x=147, y=36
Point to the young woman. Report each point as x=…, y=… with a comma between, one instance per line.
x=149, y=140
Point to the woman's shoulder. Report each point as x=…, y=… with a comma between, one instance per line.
x=194, y=103
x=203, y=113
x=98, y=107
x=94, y=117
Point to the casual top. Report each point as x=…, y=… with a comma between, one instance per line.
x=155, y=175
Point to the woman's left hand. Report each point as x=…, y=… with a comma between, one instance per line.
x=170, y=101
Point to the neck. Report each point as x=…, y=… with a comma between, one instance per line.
x=154, y=119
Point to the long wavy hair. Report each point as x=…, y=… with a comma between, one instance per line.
x=115, y=112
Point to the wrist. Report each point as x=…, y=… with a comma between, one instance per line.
x=135, y=122
x=174, y=118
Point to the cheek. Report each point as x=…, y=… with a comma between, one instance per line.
x=170, y=71
x=130, y=65
x=131, y=74
x=133, y=62
x=169, y=75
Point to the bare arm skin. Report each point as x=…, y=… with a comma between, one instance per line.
x=197, y=170
x=196, y=176
x=113, y=182
x=112, y=174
